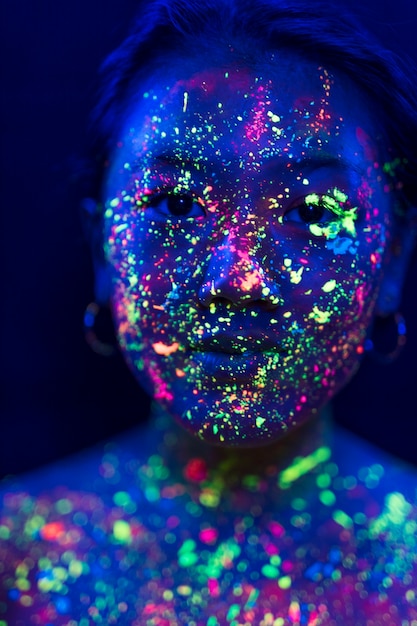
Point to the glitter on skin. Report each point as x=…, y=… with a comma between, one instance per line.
x=313, y=541
x=95, y=559
x=227, y=236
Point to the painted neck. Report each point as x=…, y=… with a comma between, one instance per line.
x=277, y=466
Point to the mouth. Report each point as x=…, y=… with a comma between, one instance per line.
x=236, y=367
x=235, y=357
x=237, y=344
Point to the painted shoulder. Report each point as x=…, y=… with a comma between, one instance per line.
x=121, y=540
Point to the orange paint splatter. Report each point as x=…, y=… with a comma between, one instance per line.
x=164, y=349
x=251, y=280
x=294, y=612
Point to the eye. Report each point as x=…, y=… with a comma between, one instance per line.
x=312, y=210
x=309, y=213
x=173, y=204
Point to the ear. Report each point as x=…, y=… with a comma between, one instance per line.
x=92, y=224
x=398, y=260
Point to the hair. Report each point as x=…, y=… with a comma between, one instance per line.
x=313, y=29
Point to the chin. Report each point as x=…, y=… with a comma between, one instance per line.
x=239, y=424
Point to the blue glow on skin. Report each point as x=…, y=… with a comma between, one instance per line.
x=240, y=317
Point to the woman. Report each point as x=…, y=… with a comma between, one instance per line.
x=256, y=215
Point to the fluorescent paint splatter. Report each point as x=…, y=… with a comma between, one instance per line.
x=121, y=561
x=249, y=272
x=165, y=350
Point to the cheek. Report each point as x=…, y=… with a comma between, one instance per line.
x=330, y=291
x=156, y=271
x=326, y=275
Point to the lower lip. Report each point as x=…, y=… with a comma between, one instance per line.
x=224, y=366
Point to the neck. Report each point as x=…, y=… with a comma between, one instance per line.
x=276, y=467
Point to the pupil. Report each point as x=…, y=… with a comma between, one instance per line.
x=179, y=204
x=311, y=213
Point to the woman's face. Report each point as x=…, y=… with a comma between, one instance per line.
x=246, y=227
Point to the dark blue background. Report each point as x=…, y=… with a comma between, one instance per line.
x=57, y=396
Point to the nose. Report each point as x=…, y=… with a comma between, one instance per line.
x=235, y=274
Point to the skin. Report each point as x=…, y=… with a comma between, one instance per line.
x=247, y=225
x=160, y=528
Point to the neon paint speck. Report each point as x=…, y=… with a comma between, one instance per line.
x=265, y=547
x=213, y=251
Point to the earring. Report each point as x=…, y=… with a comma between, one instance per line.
x=90, y=318
x=389, y=357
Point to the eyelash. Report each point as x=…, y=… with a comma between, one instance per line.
x=336, y=207
x=188, y=201
x=325, y=203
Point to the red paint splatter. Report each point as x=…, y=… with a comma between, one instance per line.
x=196, y=470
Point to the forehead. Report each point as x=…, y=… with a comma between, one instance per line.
x=288, y=106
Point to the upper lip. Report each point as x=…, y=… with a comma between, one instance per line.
x=236, y=343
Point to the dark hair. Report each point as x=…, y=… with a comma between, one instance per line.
x=314, y=29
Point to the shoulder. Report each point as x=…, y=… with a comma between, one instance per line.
x=57, y=517
x=379, y=471
x=111, y=535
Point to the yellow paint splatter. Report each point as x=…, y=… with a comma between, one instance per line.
x=321, y=317
x=329, y=286
x=122, y=532
x=296, y=275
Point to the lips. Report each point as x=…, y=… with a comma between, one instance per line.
x=237, y=343
x=232, y=359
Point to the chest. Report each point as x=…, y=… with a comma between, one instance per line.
x=182, y=560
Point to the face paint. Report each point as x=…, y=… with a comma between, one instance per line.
x=245, y=228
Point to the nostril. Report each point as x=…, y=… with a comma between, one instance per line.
x=270, y=305
x=265, y=295
x=216, y=301
x=261, y=304
x=222, y=301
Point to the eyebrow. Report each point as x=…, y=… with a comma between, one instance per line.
x=176, y=160
x=321, y=160
x=315, y=161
